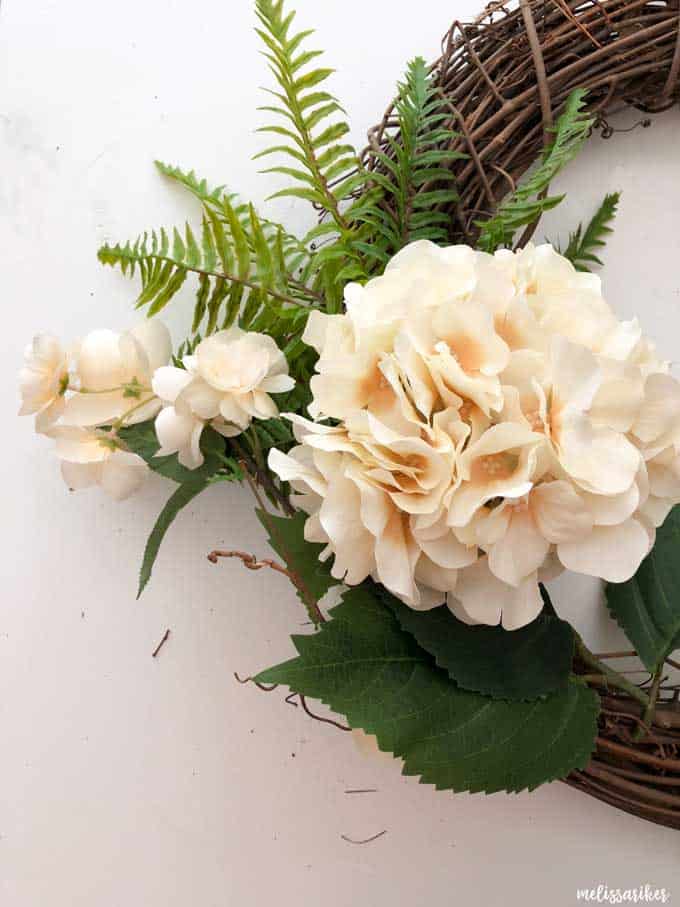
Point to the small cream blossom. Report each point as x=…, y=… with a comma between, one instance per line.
x=493, y=423
x=93, y=457
x=225, y=383
x=114, y=373
x=43, y=380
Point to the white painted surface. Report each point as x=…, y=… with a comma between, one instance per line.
x=132, y=782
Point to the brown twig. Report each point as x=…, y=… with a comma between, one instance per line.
x=250, y=561
x=160, y=644
x=509, y=73
x=337, y=724
x=365, y=840
x=266, y=688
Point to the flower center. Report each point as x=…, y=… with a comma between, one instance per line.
x=494, y=466
x=468, y=351
x=535, y=420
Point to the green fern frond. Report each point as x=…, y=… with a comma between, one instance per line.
x=530, y=199
x=415, y=174
x=584, y=243
x=188, y=179
x=240, y=275
x=311, y=123
x=297, y=255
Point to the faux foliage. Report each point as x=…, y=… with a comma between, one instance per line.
x=530, y=199
x=523, y=664
x=311, y=578
x=311, y=126
x=217, y=467
x=585, y=243
x=364, y=666
x=416, y=175
x=648, y=606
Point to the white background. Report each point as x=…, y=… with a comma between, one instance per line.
x=127, y=781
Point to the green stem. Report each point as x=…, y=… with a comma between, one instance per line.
x=138, y=389
x=609, y=675
x=121, y=419
x=106, y=390
x=648, y=715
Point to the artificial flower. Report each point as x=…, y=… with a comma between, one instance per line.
x=493, y=423
x=114, y=373
x=225, y=383
x=43, y=380
x=177, y=428
x=93, y=457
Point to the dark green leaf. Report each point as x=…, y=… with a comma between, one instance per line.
x=523, y=664
x=181, y=497
x=364, y=666
x=312, y=579
x=141, y=439
x=648, y=606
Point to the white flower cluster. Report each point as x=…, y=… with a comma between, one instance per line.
x=483, y=422
x=109, y=380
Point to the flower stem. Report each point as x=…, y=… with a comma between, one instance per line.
x=648, y=717
x=121, y=419
x=610, y=677
x=113, y=390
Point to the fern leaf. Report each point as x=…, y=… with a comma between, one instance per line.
x=583, y=244
x=213, y=201
x=416, y=173
x=230, y=263
x=530, y=199
x=315, y=120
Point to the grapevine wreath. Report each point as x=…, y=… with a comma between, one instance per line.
x=435, y=414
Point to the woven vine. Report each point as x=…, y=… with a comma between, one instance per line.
x=505, y=78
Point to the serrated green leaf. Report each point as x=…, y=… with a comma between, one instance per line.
x=201, y=302
x=178, y=249
x=312, y=578
x=141, y=439
x=647, y=607
x=193, y=253
x=523, y=664
x=310, y=79
x=263, y=255
x=172, y=287
x=240, y=241
x=178, y=500
x=364, y=666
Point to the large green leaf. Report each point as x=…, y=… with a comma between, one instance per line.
x=523, y=664
x=648, y=606
x=364, y=666
x=311, y=578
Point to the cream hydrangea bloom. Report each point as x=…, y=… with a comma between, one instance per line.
x=226, y=383
x=492, y=422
